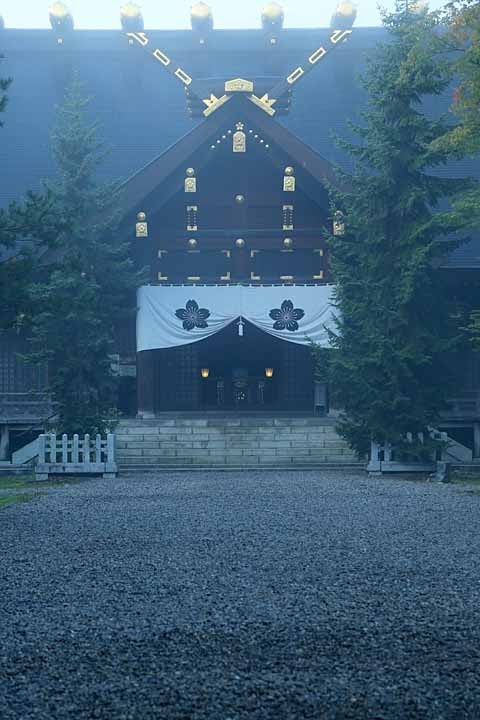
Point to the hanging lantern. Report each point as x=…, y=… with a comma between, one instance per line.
x=141, y=228
x=269, y=372
x=205, y=373
x=241, y=325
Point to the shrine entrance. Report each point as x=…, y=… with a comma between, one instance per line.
x=229, y=372
x=239, y=373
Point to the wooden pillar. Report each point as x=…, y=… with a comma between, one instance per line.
x=4, y=442
x=146, y=387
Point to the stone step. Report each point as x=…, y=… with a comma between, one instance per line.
x=227, y=441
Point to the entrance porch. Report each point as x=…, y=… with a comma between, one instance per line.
x=226, y=372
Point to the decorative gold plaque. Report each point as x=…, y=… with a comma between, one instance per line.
x=141, y=228
x=190, y=181
x=239, y=85
x=239, y=140
x=289, y=182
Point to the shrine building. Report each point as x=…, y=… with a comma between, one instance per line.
x=226, y=142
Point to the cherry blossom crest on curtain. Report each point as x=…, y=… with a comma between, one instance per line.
x=169, y=316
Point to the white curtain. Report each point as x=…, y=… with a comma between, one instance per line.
x=178, y=315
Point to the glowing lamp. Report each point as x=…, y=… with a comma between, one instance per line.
x=269, y=372
x=205, y=373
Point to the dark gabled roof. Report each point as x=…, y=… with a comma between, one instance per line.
x=142, y=110
x=155, y=177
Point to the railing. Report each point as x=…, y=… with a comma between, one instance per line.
x=385, y=458
x=62, y=456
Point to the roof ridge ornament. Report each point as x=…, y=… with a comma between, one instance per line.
x=239, y=85
x=131, y=17
x=61, y=19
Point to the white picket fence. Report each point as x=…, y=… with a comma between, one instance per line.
x=384, y=458
x=76, y=456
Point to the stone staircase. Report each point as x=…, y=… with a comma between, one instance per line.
x=227, y=442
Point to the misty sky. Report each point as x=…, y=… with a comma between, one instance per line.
x=176, y=13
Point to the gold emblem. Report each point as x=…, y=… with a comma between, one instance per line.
x=213, y=103
x=239, y=85
x=339, y=35
x=239, y=140
x=295, y=75
x=140, y=37
x=317, y=55
x=288, y=217
x=182, y=75
x=264, y=103
x=289, y=180
x=161, y=57
x=190, y=181
x=141, y=228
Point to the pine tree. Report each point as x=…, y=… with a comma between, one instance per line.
x=394, y=325
x=463, y=18
x=4, y=85
x=34, y=221
x=90, y=282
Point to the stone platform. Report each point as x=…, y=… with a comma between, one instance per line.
x=231, y=442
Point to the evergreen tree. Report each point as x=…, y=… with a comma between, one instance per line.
x=463, y=18
x=4, y=85
x=394, y=322
x=23, y=225
x=89, y=288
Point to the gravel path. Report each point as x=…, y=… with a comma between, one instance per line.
x=228, y=596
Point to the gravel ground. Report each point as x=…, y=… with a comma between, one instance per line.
x=227, y=596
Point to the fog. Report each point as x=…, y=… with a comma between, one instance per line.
x=157, y=14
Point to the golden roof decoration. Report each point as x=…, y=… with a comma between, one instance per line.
x=344, y=16
x=130, y=10
x=273, y=12
x=60, y=17
x=201, y=17
x=201, y=10
x=131, y=17
x=59, y=10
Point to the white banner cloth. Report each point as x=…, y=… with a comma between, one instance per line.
x=179, y=315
